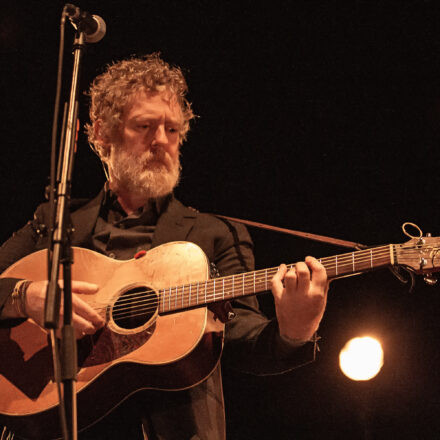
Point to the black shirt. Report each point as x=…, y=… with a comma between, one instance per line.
x=121, y=236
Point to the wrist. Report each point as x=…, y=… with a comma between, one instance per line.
x=298, y=333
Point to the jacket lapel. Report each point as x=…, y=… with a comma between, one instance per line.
x=174, y=224
x=84, y=220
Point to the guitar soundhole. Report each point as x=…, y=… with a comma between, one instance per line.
x=135, y=307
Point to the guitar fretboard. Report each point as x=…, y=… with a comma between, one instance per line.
x=227, y=288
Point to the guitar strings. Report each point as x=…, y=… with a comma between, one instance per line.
x=183, y=301
x=149, y=299
x=208, y=289
x=249, y=275
x=340, y=261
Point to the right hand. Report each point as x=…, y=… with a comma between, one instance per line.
x=85, y=320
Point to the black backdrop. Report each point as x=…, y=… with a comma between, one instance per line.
x=314, y=115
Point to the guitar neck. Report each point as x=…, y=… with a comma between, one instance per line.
x=231, y=287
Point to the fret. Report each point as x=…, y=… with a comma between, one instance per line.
x=189, y=296
x=223, y=288
x=197, y=294
x=352, y=257
x=265, y=279
x=175, y=300
x=243, y=283
x=206, y=282
x=163, y=300
x=336, y=264
x=169, y=300
x=371, y=258
x=233, y=287
x=213, y=291
x=254, y=281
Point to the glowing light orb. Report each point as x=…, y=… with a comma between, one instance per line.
x=361, y=358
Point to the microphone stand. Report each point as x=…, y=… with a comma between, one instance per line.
x=62, y=252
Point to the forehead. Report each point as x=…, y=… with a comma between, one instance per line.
x=153, y=104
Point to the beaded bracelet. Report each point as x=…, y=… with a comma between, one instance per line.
x=19, y=297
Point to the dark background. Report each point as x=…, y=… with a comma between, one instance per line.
x=321, y=116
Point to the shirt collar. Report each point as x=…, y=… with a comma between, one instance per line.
x=158, y=205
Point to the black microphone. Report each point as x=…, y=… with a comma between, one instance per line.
x=93, y=26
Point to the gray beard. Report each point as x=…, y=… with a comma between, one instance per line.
x=151, y=175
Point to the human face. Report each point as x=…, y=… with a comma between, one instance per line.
x=145, y=160
x=151, y=120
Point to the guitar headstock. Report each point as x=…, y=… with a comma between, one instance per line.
x=421, y=254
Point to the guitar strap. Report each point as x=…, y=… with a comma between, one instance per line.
x=306, y=235
x=322, y=239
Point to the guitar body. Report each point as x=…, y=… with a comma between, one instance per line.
x=133, y=351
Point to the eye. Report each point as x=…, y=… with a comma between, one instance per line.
x=172, y=130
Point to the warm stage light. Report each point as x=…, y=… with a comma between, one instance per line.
x=361, y=358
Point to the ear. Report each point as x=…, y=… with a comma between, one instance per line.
x=102, y=143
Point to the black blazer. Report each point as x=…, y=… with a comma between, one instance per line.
x=252, y=342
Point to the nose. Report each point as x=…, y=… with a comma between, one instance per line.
x=160, y=136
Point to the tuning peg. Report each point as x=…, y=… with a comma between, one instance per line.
x=430, y=280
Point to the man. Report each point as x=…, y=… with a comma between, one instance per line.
x=139, y=117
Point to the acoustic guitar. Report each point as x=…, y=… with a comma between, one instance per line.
x=159, y=332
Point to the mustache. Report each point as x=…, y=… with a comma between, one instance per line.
x=156, y=156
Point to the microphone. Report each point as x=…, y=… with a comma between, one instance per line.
x=93, y=26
